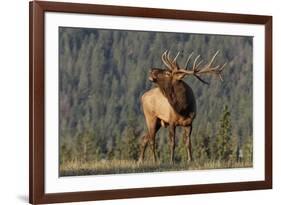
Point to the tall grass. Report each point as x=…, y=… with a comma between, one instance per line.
x=77, y=168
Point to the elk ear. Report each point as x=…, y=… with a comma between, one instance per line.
x=179, y=75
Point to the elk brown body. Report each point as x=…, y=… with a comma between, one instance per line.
x=172, y=103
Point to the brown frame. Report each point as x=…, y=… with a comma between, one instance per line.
x=37, y=95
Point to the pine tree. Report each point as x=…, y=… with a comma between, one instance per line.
x=130, y=145
x=248, y=149
x=87, y=147
x=223, y=143
x=205, y=146
x=65, y=152
x=118, y=150
x=181, y=150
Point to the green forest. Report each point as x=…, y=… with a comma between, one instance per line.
x=102, y=76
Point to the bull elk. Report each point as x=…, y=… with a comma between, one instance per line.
x=172, y=103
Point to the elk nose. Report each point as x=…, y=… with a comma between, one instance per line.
x=150, y=76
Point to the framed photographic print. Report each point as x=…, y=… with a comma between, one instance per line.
x=139, y=102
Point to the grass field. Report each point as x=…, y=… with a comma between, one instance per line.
x=126, y=166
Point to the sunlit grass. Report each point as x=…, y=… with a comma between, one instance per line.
x=77, y=168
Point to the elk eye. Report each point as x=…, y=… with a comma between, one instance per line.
x=167, y=73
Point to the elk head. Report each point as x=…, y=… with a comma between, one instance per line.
x=174, y=72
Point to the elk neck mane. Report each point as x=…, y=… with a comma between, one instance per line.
x=180, y=97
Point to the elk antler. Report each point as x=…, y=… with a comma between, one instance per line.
x=206, y=69
x=186, y=64
x=165, y=61
x=171, y=64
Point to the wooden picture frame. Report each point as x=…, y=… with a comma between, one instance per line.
x=37, y=10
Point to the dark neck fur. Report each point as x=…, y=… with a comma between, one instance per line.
x=180, y=96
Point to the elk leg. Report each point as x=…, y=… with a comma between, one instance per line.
x=153, y=141
x=172, y=130
x=187, y=133
x=150, y=137
x=143, y=146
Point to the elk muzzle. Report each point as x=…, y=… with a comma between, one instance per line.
x=152, y=76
